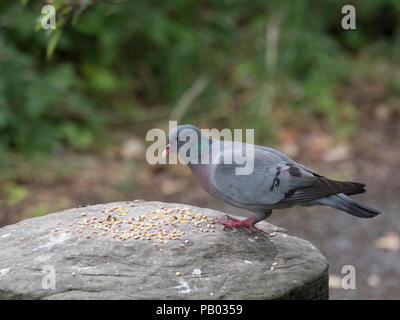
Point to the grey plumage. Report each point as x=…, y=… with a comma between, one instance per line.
x=276, y=181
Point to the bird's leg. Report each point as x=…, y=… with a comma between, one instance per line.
x=247, y=224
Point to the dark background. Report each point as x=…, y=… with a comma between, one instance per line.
x=76, y=103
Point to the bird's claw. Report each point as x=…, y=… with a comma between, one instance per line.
x=247, y=224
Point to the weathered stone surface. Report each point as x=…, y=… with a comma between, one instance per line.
x=225, y=264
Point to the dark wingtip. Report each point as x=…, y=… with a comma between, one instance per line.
x=357, y=188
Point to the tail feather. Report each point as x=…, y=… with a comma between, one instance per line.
x=344, y=203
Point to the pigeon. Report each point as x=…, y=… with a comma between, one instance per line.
x=275, y=182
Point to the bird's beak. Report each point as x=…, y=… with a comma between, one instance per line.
x=165, y=152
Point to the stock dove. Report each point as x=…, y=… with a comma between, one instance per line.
x=275, y=182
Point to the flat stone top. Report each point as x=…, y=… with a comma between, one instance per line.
x=154, y=250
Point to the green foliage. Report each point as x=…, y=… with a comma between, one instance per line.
x=39, y=210
x=114, y=61
x=13, y=193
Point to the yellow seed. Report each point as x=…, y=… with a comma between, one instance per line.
x=83, y=214
x=178, y=273
x=182, y=245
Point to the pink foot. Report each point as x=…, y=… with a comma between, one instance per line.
x=247, y=224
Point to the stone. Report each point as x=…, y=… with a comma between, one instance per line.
x=71, y=255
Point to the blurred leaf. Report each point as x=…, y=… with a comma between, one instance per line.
x=51, y=46
x=390, y=242
x=39, y=210
x=14, y=193
x=77, y=137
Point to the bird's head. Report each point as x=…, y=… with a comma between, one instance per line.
x=188, y=140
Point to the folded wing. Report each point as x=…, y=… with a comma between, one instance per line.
x=275, y=180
